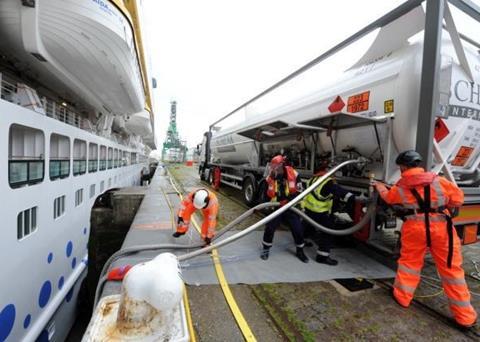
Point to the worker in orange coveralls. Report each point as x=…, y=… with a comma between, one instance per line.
x=429, y=202
x=204, y=200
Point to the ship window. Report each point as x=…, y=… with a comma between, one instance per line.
x=110, y=157
x=92, y=190
x=102, y=186
x=125, y=161
x=92, y=157
x=26, y=222
x=78, y=197
x=58, y=206
x=115, y=158
x=59, y=156
x=103, y=158
x=133, y=158
x=26, y=151
x=79, y=157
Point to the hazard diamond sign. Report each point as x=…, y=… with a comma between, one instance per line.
x=337, y=105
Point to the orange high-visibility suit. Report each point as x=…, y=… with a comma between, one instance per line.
x=209, y=215
x=409, y=193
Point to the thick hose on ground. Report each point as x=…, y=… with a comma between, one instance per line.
x=228, y=227
x=347, y=231
x=275, y=214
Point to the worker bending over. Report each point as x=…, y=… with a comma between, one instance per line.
x=429, y=201
x=283, y=185
x=204, y=200
x=319, y=205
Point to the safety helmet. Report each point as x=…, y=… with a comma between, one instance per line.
x=200, y=199
x=278, y=159
x=409, y=158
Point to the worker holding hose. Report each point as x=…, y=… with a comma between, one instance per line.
x=428, y=203
x=284, y=184
x=319, y=206
x=207, y=202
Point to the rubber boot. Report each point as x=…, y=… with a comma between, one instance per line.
x=326, y=260
x=265, y=253
x=301, y=255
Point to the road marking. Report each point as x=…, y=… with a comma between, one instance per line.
x=153, y=226
x=185, y=295
x=189, y=315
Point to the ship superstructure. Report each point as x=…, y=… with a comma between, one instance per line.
x=77, y=120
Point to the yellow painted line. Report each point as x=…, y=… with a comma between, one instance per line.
x=186, y=304
x=189, y=315
x=232, y=303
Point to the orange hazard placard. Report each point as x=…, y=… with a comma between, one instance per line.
x=462, y=156
x=441, y=130
x=358, y=102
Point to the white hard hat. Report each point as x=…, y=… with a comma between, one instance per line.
x=200, y=199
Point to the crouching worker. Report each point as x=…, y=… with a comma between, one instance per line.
x=283, y=185
x=319, y=206
x=207, y=202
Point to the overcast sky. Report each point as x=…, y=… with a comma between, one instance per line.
x=213, y=55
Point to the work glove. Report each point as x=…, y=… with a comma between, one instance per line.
x=207, y=241
x=177, y=234
x=179, y=220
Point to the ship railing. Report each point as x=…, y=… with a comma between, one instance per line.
x=59, y=168
x=53, y=109
x=79, y=166
x=25, y=170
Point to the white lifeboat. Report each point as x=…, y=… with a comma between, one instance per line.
x=81, y=47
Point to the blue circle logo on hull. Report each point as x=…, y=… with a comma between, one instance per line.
x=69, y=249
x=45, y=293
x=7, y=319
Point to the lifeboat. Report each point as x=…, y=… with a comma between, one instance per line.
x=85, y=51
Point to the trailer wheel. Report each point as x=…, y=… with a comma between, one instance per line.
x=249, y=189
x=209, y=176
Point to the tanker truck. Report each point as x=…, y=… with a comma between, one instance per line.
x=370, y=111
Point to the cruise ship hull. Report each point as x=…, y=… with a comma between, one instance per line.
x=44, y=268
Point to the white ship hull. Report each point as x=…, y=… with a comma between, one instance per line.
x=74, y=122
x=34, y=288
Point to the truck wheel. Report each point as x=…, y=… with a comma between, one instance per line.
x=209, y=176
x=201, y=172
x=249, y=190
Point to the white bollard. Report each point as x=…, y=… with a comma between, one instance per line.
x=150, y=289
x=148, y=309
